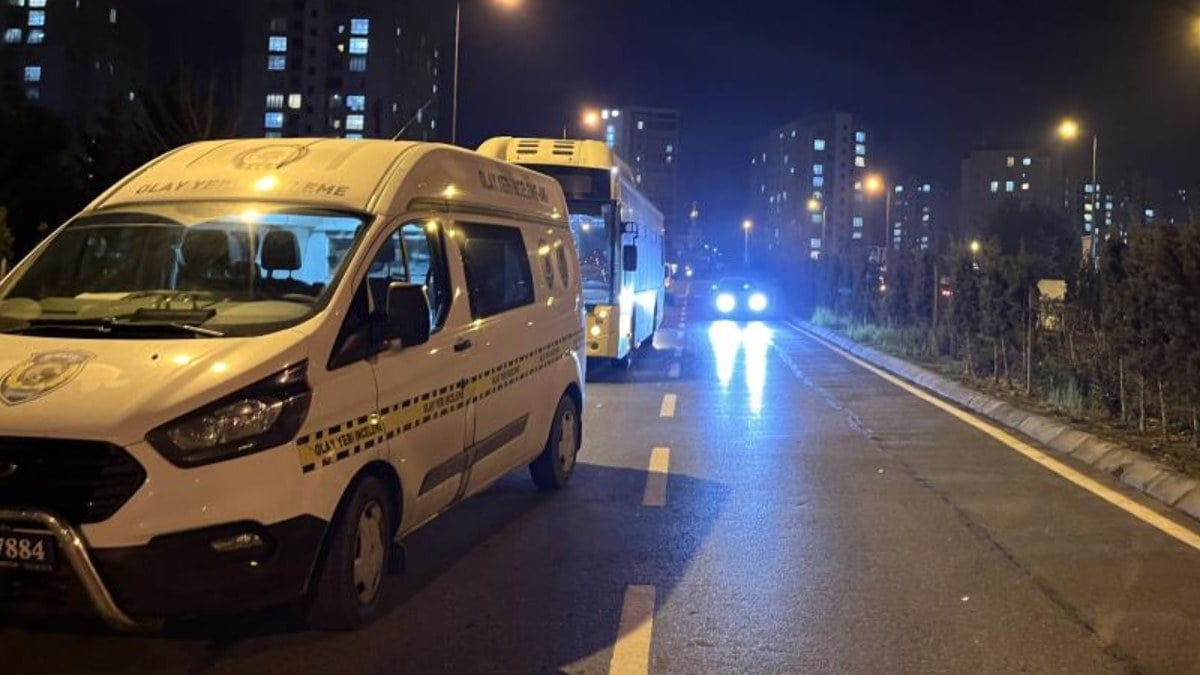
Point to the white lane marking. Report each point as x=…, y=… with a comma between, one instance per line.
x=673, y=373
x=631, y=653
x=656, y=478
x=668, y=405
x=1133, y=508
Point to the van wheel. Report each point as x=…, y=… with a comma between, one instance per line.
x=553, y=468
x=349, y=586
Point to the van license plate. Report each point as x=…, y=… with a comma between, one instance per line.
x=28, y=550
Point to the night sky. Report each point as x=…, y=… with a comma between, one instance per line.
x=933, y=78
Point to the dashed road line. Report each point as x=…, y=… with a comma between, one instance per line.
x=668, y=405
x=631, y=653
x=1114, y=497
x=656, y=478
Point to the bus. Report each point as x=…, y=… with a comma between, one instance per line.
x=620, y=235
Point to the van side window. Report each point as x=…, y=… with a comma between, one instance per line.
x=547, y=263
x=497, y=268
x=412, y=254
x=564, y=268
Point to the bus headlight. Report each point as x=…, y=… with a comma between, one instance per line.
x=596, y=331
x=602, y=315
x=726, y=303
x=758, y=302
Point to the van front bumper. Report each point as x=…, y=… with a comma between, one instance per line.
x=216, y=570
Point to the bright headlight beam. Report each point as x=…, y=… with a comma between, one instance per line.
x=726, y=303
x=758, y=302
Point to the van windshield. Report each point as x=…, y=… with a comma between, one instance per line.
x=186, y=270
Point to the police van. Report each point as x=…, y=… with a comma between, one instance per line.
x=247, y=371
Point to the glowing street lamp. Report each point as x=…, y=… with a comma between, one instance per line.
x=1068, y=132
x=976, y=247
x=591, y=119
x=747, y=226
x=503, y=4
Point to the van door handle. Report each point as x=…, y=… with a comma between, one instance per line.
x=463, y=345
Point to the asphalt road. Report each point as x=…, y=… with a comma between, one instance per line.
x=748, y=502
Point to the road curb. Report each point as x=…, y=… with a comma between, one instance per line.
x=1146, y=475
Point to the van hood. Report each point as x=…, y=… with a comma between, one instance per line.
x=118, y=390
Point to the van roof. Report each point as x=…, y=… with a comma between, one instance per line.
x=354, y=175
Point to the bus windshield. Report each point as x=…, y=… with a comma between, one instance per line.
x=594, y=237
x=212, y=269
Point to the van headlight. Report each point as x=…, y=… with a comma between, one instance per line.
x=264, y=415
x=758, y=303
x=726, y=303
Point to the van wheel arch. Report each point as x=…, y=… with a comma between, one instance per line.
x=385, y=474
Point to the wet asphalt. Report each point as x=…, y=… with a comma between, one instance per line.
x=815, y=519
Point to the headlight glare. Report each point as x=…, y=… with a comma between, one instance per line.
x=758, y=302
x=726, y=303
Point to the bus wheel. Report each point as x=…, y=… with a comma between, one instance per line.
x=349, y=586
x=553, y=468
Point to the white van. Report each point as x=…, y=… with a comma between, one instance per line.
x=246, y=371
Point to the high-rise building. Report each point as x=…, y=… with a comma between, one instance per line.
x=920, y=215
x=807, y=191
x=648, y=139
x=349, y=68
x=72, y=58
x=990, y=178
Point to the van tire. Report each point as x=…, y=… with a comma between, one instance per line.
x=553, y=468
x=345, y=599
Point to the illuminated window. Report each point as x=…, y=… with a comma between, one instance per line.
x=33, y=73
x=816, y=219
x=819, y=144
x=12, y=36
x=358, y=64
x=857, y=235
x=642, y=125
x=818, y=169
x=860, y=162
x=818, y=181
x=1025, y=187
x=1027, y=161
x=899, y=189
x=1010, y=186
x=1011, y=161
x=354, y=137
x=112, y=16
x=860, y=149
x=36, y=4
x=815, y=243
x=273, y=120
x=276, y=62
x=360, y=26
x=354, y=122
x=36, y=37
x=295, y=101
x=274, y=101
x=277, y=44
x=995, y=186
x=858, y=222
x=359, y=45
x=860, y=137
x=37, y=17
x=356, y=102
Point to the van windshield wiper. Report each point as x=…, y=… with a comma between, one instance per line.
x=114, y=327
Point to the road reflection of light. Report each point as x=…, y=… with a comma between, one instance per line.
x=757, y=338
x=726, y=340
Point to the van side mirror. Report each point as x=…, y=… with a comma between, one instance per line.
x=407, y=316
x=630, y=258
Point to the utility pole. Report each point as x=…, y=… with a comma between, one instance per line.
x=937, y=288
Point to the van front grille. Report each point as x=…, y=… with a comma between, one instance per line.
x=81, y=481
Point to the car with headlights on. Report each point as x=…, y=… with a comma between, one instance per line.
x=742, y=298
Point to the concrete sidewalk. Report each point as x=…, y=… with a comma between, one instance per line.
x=1152, y=478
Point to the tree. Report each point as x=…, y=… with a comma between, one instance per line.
x=185, y=113
x=39, y=185
x=965, y=311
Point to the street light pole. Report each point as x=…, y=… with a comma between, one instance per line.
x=457, y=51
x=747, y=225
x=1095, y=196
